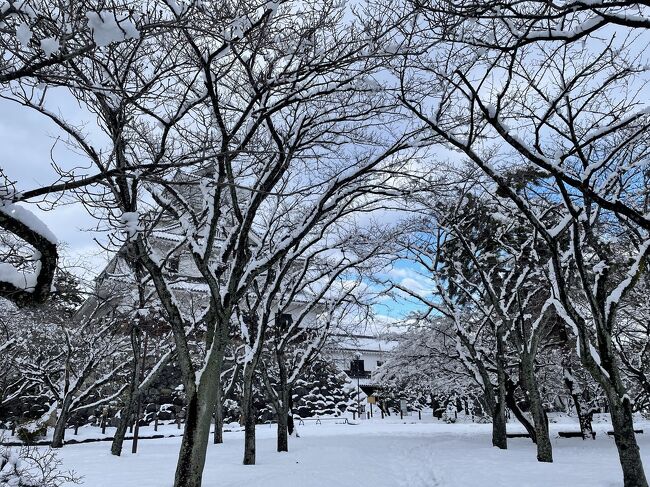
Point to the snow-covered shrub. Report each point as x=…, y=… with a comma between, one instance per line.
x=322, y=392
x=231, y=410
x=30, y=433
x=29, y=466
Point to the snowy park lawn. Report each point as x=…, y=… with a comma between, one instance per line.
x=373, y=453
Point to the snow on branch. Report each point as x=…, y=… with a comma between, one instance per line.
x=22, y=286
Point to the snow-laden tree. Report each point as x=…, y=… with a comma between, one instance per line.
x=323, y=390
x=571, y=116
x=17, y=324
x=279, y=158
x=427, y=362
x=263, y=116
x=632, y=337
x=484, y=261
x=70, y=362
x=319, y=293
x=41, y=40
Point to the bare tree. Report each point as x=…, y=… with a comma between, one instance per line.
x=319, y=293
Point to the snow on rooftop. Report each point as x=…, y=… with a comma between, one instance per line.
x=363, y=342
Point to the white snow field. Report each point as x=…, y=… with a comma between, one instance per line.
x=374, y=453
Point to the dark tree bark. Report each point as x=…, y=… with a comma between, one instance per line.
x=200, y=407
x=511, y=400
x=283, y=430
x=529, y=381
x=584, y=412
x=59, y=429
x=191, y=458
x=123, y=425
x=248, y=415
x=282, y=406
x=138, y=399
x=48, y=258
x=218, y=417
x=625, y=439
x=499, y=436
x=291, y=426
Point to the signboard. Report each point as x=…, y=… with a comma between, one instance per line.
x=372, y=400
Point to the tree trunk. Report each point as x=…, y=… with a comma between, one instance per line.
x=248, y=412
x=249, y=433
x=511, y=401
x=607, y=374
x=583, y=410
x=625, y=439
x=59, y=428
x=283, y=429
x=191, y=458
x=125, y=421
x=132, y=392
x=527, y=373
x=283, y=406
x=499, y=438
x=218, y=417
x=291, y=426
x=198, y=419
x=138, y=398
x=585, y=417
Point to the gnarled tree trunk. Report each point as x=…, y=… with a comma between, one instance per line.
x=584, y=412
x=511, y=400
x=625, y=439
x=529, y=381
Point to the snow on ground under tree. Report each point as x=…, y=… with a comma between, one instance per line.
x=372, y=453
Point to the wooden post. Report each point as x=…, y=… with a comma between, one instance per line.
x=354, y=415
x=382, y=413
x=178, y=421
x=401, y=414
x=367, y=414
x=76, y=428
x=155, y=422
x=103, y=424
x=420, y=414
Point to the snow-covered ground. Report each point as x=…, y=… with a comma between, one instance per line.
x=378, y=453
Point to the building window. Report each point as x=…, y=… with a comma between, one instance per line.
x=379, y=363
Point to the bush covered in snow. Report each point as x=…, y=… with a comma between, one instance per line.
x=324, y=391
x=30, y=466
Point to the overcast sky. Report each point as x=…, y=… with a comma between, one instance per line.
x=29, y=141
